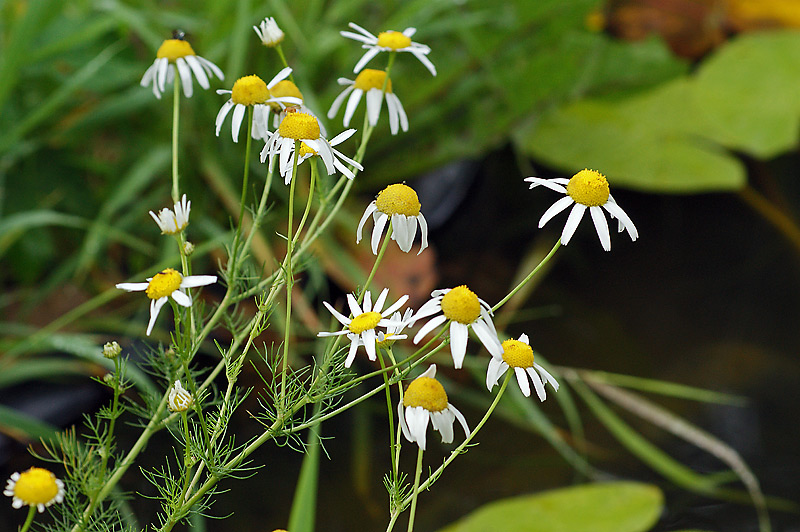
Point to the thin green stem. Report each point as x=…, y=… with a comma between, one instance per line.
x=176, y=113
x=378, y=259
x=522, y=283
x=29, y=519
x=417, y=474
x=289, y=276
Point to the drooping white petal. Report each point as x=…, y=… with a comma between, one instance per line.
x=601, y=225
x=338, y=102
x=428, y=327
x=573, y=220
x=497, y=367
x=369, y=210
x=537, y=383
x=459, y=333
x=223, y=112
x=554, y=209
x=186, y=76
x=155, y=308
x=623, y=218
x=488, y=337
x=197, y=69
x=522, y=380
x=377, y=231
x=366, y=58
x=374, y=103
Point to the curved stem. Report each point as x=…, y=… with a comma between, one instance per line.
x=29, y=519
x=534, y=271
x=176, y=108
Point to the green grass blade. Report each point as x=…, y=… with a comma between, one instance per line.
x=24, y=428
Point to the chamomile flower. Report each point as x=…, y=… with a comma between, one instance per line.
x=166, y=284
x=518, y=354
x=400, y=204
x=35, y=487
x=361, y=328
x=587, y=188
x=388, y=41
x=339, y=159
x=305, y=128
x=178, y=53
x=371, y=82
x=269, y=32
x=180, y=400
x=464, y=309
x=170, y=222
x=252, y=91
x=394, y=331
x=425, y=400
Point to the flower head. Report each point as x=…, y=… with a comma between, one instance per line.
x=339, y=159
x=400, y=204
x=518, y=354
x=425, y=400
x=166, y=284
x=303, y=127
x=252, y=91
x=371, y=82
x=178, y=53
x=35, y=487
x=464, y=310
x=586, y=189
x=172, y=223
x=361, y=327
x=269, y=32
x=180, y=400
x=388, y=41
x=111, y=350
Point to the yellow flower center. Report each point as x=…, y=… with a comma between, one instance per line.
x=282, y=89
x=588, y=187
x=299, y=126
x=369, y=78
x=386, y=343
x=249, y=90
x=398, y=199
x=461, y=304
x=393, y=39
x=427, y=393
x=305, y=149
x=364, y=322
x=517, y=354
x=163, y=284
x=36, y=486
x=172, y=49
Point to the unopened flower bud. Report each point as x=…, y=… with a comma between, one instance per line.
x=111, y=350
x=180, y=400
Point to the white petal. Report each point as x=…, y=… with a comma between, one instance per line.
x=403, y=425
x=182, y=298
x=537, y=383
x=280, y=76
x=338, y=102
x=155, y=308
x=458, y=342
x=573, y=220
x=423, y=58
x=369, y=343
x=133, y=287
x=344, y=320
x=352, y=104
x=623, y=218
x=428, y=327
x=366, y=58
x=186, y=76
x=549, y=183
x=341, y=137
x=351, y=355
x=236, y=121
x=546, y=376
x=423, y=225
x=399, y=303
x=193, y=281
x=488, y=337
x=496, y=368
x=601, y=225
x=352, y=303
x=369, y=210
x=223, y=112
x=377, y=231
x=460, y=417
x=522, y=380
x=374, y=103
x=554, y=209
x=443, y=422
x=197, y=69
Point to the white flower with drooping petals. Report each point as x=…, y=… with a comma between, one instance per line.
x=339, y=159
x=586, y=189
x=518, y=354
x=269, y=32
x=170, y=222
x=305, y=128
x=361, y=328
x=388, y=41
x=400, y=204
x=178, y=54
x=425, y=400
x=371, y=82
x=166, y=284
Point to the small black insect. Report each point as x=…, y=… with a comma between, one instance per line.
x=178, y=34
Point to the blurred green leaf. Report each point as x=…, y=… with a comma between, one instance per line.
x=611, y=507
x=22, y=427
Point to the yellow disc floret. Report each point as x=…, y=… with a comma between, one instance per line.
x=461, y=304
x=517, y=354
x=163, y=284
x=36, y=486
x=299, y=126
x=398, y=199
x=283, y=89
x=393, y=39
x=364, y=322
x=427, y=393
x=249, y=90
x=369, y=78
x=588, y=187
x=172, y=49
x=305, y=149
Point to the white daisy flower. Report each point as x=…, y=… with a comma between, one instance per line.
x=371, y=82
x=362, y=325
x=165, y=284
x=178, y=53
x=35, y=487
x=305, y=128
x=269, y=32
x=587, y=188
x=425, y=400
x=388, y=41
x=180, y=400
x=518, y=354
x=252, y=91
x=400, y=204
x=464, y=309
x=339, y=159
x=172, y=223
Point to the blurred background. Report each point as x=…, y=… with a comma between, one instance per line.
x=690, y=107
